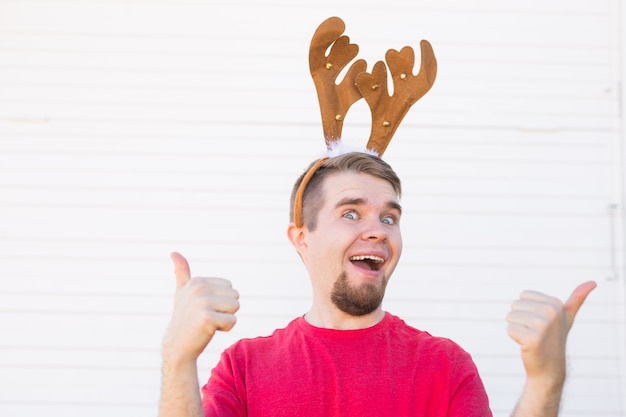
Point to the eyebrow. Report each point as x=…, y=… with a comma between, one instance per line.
x=394, y=205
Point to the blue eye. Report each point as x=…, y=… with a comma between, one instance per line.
x=388, y=220
x=351, y=215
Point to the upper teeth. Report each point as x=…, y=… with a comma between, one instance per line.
x=376, y=259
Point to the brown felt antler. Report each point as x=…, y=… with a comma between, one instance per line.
x=334, y=99
x=388, y=111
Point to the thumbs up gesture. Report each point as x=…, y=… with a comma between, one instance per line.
x=540, y=325
x=201, y=306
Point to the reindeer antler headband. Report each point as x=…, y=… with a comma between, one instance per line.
x=335, y=99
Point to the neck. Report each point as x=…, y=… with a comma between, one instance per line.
x=336, y=319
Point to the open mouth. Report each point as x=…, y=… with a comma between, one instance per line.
x=368, y=261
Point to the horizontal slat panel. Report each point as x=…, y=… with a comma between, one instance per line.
x=132, y=129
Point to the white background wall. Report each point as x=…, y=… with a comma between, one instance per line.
x=129, y=129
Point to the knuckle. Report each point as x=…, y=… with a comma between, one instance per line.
x=209, y=320
x=230, y=323
x=553, y=311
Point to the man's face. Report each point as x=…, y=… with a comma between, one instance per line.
x=357, y=242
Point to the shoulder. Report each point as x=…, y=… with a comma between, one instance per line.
x=422, y=340
x=279, y=338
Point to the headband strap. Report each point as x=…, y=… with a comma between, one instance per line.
x=299, y=197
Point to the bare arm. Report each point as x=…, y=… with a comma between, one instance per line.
x=540, y=325
x=180, y=391
x=201, y=306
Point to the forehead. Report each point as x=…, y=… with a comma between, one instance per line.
x=348, y=184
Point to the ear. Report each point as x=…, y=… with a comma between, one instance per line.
x=297, y=237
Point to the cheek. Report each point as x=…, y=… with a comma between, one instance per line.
x=396, y=242
x=325, y=250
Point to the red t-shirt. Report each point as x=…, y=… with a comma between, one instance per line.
x=390, y=369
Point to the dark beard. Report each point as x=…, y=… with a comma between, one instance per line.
x=357, y=301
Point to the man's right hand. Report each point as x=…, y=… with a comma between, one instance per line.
x=201, y=306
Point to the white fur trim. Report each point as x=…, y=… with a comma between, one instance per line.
x=337, y=147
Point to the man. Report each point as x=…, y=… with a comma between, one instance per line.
x=346, y=355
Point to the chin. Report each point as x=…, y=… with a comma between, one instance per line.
x=358, y=300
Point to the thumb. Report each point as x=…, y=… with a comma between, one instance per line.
x=576, y=300
x=181, y=269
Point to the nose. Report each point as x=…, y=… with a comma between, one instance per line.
x=374, y=229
